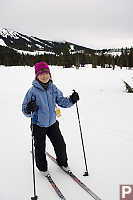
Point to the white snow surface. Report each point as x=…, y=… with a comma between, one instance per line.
x=115, y=53
x=33, y=53
x=106, y=113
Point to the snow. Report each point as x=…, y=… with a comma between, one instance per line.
x=2, y=43
x=36, y=39
x=114, y=53
x=39, y=46
x=33, y=52
x=26, y=38
x=72, y=47
x=8, y=32
x=106, y=118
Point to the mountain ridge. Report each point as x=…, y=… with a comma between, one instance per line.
x=20, y=41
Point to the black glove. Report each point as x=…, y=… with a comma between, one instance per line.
x=31, y=107
x=74, y=97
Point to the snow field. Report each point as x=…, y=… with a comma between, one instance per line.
x=106, y=118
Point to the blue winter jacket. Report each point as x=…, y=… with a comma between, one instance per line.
x=46, y=100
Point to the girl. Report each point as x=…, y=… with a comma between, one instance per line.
x=41, y=100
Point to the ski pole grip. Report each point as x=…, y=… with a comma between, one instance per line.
x=33, y=98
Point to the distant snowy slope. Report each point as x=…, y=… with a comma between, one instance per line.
x=2, y=43
x=21, y=41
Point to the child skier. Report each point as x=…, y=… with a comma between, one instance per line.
x=41, y=100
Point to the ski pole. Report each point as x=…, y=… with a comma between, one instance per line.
x=33, y=163
x=86, y=173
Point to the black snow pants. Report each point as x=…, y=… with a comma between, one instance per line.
x=54, y=134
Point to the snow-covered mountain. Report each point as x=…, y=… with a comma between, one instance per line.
x=21, y=41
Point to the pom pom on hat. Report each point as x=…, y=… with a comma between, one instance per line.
x=41, y=67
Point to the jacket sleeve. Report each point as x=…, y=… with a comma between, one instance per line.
x=26, y=100
x=64, y=102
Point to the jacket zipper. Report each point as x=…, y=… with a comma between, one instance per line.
x=48, y=107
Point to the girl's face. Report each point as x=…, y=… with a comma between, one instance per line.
x=44, y=78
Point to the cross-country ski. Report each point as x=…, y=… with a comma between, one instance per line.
x=74, y=177
x=57, y=190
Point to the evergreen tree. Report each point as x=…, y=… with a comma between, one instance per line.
x=94, y=61
x=67, y=61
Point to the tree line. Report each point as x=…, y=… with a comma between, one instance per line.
x=66, y=58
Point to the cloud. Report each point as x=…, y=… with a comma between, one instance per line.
x=89, y=22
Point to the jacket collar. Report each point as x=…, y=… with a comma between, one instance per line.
x=36, y=84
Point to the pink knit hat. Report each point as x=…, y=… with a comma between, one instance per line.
x=41, y=67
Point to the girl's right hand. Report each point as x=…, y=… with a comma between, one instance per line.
x=31, y=107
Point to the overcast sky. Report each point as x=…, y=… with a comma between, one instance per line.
x=92, y=23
